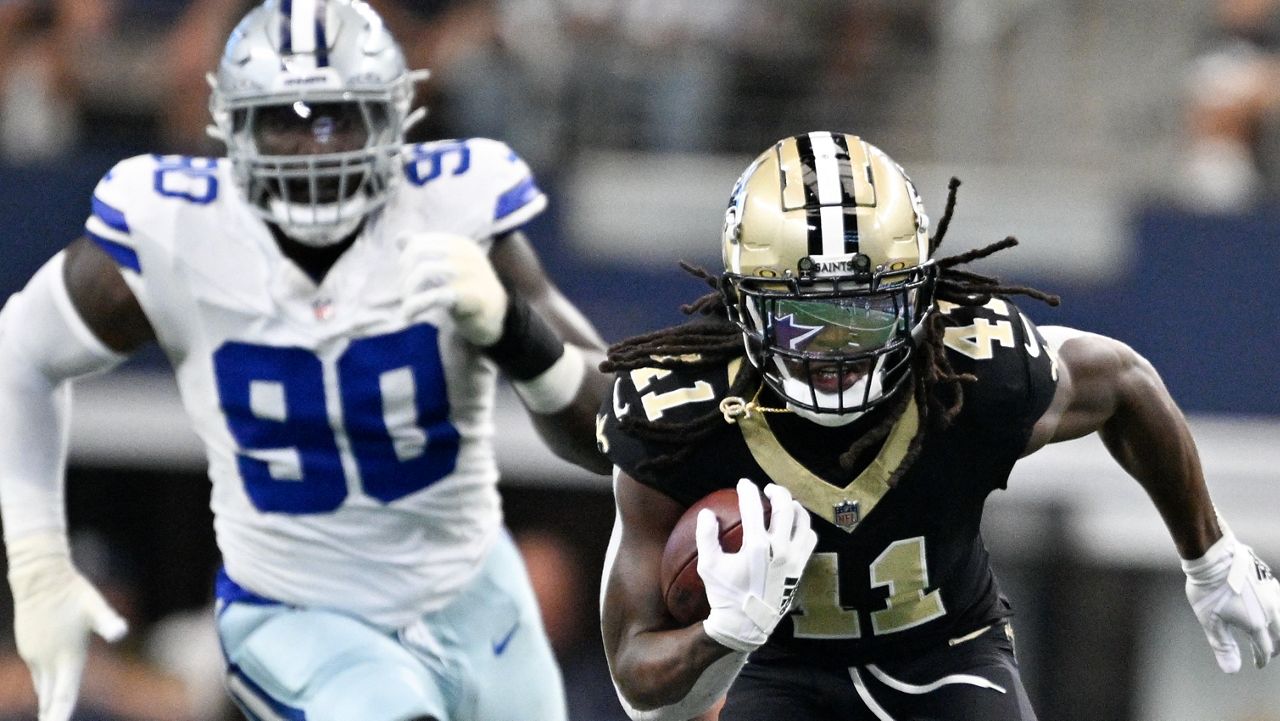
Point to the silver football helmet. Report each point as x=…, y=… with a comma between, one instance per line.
x=312, y=100
x=827, y=272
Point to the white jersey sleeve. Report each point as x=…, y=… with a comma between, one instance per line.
x=140, y=210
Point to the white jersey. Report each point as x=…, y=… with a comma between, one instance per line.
x=350, y=449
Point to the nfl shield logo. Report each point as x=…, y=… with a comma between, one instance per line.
x=323, y=309
x=847, y=514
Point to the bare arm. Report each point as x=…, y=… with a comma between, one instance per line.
x=570, y=433
x=103, y=299
x=654, y=662
x=1107, y=388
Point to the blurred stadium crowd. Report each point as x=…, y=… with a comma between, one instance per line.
x=552, y=76
x=1179, y=100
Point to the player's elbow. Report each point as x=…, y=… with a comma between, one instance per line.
x=654, y=705
x=638, y=690
x=652, y=692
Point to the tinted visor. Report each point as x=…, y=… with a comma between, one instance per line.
x=836, y=326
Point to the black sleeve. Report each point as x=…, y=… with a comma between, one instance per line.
x=641, y=426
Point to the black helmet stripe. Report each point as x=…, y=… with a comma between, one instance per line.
x=809, y=175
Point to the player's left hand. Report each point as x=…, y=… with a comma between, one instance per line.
x=444, y=270
x=750, y=590
x=54, y=611
x=1231, y=588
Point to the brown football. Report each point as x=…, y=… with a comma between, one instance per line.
x=682, y=587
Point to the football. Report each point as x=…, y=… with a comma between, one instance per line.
x=682, y=587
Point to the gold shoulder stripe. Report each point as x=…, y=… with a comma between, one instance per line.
x=843, y=507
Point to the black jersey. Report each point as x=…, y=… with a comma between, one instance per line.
x=895, y=569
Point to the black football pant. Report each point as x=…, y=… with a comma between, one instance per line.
x=973, y=680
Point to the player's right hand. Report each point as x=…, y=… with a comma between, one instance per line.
x=450, y=271
x=751, y=590
x=54, y=610
x=1229, y=587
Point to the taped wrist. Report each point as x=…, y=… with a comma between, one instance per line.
x=528, y=345
x=37, y=550
x=554, y=389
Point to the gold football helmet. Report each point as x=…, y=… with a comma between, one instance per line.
x=827, y=272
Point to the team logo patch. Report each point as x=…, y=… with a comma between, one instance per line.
x=847, y=514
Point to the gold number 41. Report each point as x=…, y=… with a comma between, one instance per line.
x=902, y=567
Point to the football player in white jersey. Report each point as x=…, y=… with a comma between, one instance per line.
x=336, y=306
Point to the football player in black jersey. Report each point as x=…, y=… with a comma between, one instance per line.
x=888, y=393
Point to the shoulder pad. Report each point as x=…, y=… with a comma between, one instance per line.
x=671, y=395
x=116, y=208
x=139, y=191
x=656, y=397
x=480, y=171
x=997, y=343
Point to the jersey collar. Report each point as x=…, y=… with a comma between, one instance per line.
x=844, y=507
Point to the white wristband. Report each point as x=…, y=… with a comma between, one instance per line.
x=555, y=388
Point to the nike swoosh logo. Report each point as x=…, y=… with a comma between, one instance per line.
x=500, y=645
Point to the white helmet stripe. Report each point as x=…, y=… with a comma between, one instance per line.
x=824, y=160
x=830, y=192
x=303, y=31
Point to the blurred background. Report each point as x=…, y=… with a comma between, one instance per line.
x=1132, y=145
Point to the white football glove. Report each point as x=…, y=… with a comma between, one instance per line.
x=1230, y=587
x=444, y=270
x=54, y=610
x=751, y=590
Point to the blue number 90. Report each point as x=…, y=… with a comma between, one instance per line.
x=395, y=417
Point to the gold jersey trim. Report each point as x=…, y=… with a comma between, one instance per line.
x=843, y=507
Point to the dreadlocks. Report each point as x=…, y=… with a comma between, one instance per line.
x=937, y=388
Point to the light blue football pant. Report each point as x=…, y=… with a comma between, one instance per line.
x=485, y=657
